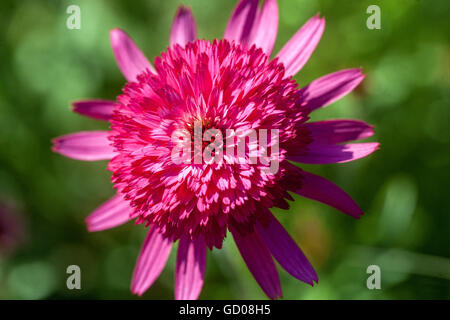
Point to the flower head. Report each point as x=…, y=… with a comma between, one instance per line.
x=230, y=90
x=224, y=86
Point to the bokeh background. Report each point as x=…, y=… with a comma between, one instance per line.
x=404, y=187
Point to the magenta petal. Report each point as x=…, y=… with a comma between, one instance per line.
x=242, y=20
x=151, y=261
x=329, y=88
x=339, y=131
x=264, y=33
x=96, y=109
x=184, y=29
x=259, y=261
x=286, y=252
x=322, y=190
x=300, y=47
x=190, y=268
x=112, y=213
x=317, y=153
x=86, y=145
x=130, y=59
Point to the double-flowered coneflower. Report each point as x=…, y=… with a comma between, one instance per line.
x=225, y=84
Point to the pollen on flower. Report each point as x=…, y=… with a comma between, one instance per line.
x=224, y=86
x=198, y=135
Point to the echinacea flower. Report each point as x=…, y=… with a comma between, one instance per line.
x=225, y=84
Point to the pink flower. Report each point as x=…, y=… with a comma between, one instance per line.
x=227, y=84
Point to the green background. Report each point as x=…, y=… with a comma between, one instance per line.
x=403, y=187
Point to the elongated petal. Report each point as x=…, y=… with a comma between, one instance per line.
x=339, y=131
x=320, y=189
x=130, y=59
x=242, y=21
x=96, y=109
x=86, y=145
x=151, y=261
x=259, y=261
x=317, y=153
x=112, y=213
x=329, y=88
x=190, y=268
x=286, y=252
x=264, y=33
x=184, y=29
x=300, y=47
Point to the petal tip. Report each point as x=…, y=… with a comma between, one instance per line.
x=370, y=147
x=314, y=282
x=130, y=59
x=374, y=146
x=359, y=215
x=319, y=19
x=183, y=28
x=136, y=291
x=182, y=9
x=75, y=106
x=89, y=224
x=89, y=227
x=116, y=31
x=55, y=143
x=115, y=34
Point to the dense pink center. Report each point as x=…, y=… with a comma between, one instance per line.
x=225, y=86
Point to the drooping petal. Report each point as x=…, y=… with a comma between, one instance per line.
x=130, y=59
x=286, y=252
x=264, y=33
x=190, y=268
x=183, y=29
x=114, y=212
x=86, y=145
x=300, y=47
x=151, y=262
x=242, y=21
x=318, y=153
x=329, y=88
x=259, y=261
x=339, y=131
x=320, y=189
x=96, y=109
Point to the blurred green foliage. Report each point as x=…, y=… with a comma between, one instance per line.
x=403, y=187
